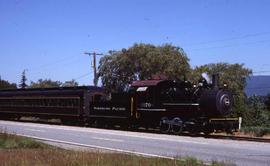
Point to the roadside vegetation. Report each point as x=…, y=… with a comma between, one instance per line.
x=257, y=116
x=256, y=131
x=21, y=151
x=9, y=141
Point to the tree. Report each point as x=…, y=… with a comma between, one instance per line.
x=23, y=84
x=140, y=62
x=256, y=113
x=267, y=102
x=231, y=74
x=6, y=85
x=46, y=83
x=71, y=83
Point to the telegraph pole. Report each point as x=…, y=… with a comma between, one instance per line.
x=94, y=65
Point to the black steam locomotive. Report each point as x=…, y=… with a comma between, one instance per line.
x=165, y=104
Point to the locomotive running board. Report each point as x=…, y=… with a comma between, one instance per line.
x=150, y=109
x=182, y=104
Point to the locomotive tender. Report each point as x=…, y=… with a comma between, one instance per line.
x=165, y=104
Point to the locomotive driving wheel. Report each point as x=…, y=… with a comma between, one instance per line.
x=164, y=125
x=177, y=125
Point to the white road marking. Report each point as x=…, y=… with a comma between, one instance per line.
x=123, y=133
x=29, y=129
x=99, y=147
x=108, y=139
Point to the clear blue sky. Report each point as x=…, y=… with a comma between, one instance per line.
x=48, y=38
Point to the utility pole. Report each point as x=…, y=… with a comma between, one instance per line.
x=94, y=65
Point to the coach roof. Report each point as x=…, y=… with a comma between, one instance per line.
x=147, y=83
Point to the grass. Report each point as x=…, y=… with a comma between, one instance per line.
x=21, y=151
x=56, y=157
x=8, y=141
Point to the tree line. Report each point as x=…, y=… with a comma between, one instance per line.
x=40, y=83
x=120, y=68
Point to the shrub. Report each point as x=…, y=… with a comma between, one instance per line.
x=258, y=131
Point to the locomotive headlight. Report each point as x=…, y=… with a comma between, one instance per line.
x=227, y=102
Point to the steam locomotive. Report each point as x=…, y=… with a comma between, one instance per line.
x=167, y=105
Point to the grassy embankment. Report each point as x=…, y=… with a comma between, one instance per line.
x=21, y=151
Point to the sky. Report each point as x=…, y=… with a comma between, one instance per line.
x=48, y=38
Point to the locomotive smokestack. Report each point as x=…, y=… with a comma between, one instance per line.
x=215, y=81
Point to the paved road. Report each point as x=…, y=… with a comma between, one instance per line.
x=168, y=146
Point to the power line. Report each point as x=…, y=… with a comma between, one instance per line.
x=54, y=68
x=55, y=62
x=82, y=76
x=230, y=45
x=228, y=39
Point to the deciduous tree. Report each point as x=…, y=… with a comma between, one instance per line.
x=6, y=85
x=256, y=113
x=71, y=83
x=139, y=62
x=233, y=75
x=46, y=83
